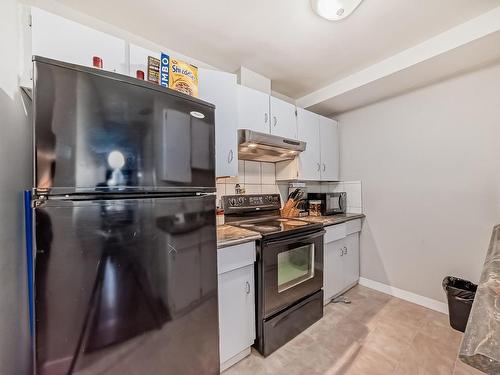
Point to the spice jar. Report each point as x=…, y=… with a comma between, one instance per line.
x=315, y=208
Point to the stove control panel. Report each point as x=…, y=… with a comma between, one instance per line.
x=251, y=202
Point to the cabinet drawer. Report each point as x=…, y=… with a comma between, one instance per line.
x=335, y=232
x=353, y=226
x=233, y=257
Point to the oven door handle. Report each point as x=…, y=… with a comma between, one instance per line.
x=296, y=238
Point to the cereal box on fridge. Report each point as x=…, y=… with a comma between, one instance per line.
x=164, y=69
x=183, y=77
x=154, y=70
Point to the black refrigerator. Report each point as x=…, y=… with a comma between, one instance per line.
x=123, y=226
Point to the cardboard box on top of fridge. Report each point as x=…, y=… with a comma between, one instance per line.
x=183, y=77
x=164, y=69
x=173, y=73
x=154, y=66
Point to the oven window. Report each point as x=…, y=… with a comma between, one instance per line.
x=295, y=266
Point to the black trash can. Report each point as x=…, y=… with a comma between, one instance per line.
x=460, y=295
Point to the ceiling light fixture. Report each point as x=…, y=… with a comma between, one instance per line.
x=335, y=10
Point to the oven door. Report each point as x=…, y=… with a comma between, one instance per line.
x=291, y=269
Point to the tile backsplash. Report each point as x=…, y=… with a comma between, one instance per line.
x=260, y=178
x=352, y=188
x=255, y=177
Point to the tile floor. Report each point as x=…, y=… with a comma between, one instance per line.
x=375, y=334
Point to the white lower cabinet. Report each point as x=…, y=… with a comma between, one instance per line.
x=333, y=273
x=236, y=302
x=351, y=260
x=341, y=258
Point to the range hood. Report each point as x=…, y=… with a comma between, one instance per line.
x=257, y=146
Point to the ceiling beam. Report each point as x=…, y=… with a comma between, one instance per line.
x=449, y=40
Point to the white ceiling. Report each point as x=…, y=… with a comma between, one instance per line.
x=283, y=39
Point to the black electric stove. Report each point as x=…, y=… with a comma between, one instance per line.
x=261, y=213
x=288, y=270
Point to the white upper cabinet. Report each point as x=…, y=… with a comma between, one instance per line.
x=329, y=135
x=221, y=89
x=253, y=110
x=320, y=160
x=309, y=161
x=58, y=38
x=283, y=118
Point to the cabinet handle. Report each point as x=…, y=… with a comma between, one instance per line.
x=345, y=250
x=247, y=287
x=230, y=156
x=324, y=167
x=341, y=252
x=275, y=120
x=265, y=117
x=319, y=167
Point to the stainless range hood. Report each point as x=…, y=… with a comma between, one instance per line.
x=257, y=146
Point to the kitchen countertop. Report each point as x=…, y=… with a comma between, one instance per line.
x=333, y=219
x=227, y=235
x=481, y=342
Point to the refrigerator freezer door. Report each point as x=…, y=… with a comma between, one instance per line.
x=100, y=131
x=126, y=286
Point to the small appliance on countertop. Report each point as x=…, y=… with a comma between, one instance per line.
x=289, y=268
x=331, y=203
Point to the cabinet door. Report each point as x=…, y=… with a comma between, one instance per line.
x=236, y=311
x=283, y=118
x=58, y=38
x=333, y=272
x=253, y=110
x=308, y=131
x=221, y=89
x=329, y=149
x=351, y=259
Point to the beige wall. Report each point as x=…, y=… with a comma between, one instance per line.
x=430, y=165
x=15, y=172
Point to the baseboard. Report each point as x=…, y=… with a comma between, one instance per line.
x=234, y=360
x=404, y=294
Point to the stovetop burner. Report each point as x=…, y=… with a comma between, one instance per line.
x=273, y=225
x=261, y=213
